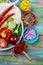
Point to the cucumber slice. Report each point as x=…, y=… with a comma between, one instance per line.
x=11, y=25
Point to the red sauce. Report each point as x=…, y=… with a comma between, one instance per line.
x=19, y=48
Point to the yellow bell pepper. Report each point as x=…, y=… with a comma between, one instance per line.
x=25, y=5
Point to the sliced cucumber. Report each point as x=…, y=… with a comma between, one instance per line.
x=11, y=25
x=10, y=19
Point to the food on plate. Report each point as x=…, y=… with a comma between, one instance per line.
x=3, y=43
x=2, y=1
x=25, y=5
x=11, y=36
x=17, y=30
x=5, y=18
x=10, y=19
x=4, y=25
x=11, y=24
x=29, y=19
x=13, y=39
x=6, y=11
x=30, y=35
x=10, y=31
x=5, y=33
x=20, y=48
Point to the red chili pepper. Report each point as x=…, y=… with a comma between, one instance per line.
x=5, y=12
x=5, y=18
x=5, y=32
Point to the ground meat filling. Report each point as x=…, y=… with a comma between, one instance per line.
x=29, y=20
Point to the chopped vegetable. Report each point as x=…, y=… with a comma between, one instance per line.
x=10, y=31
x=17, y=30
x=5, y=12
x=30, y=34
x=25, y=5
x=10, y=19
x=5, y=18
x=4, y=24
x=5, y=33
x=3, y=43
x=20, y=30
x=11, y=25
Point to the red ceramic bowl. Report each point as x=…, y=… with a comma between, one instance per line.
x=33, y=15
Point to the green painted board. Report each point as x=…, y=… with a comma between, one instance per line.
x=32, y=49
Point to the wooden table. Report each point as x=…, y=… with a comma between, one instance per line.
x=35, y=50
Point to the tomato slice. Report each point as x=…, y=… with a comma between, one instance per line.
x=5, y=33
x=3, y=43
x=29, y=19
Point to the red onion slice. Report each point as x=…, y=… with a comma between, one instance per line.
x=30, y=34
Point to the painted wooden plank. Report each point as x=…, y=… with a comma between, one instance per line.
x=24, y=61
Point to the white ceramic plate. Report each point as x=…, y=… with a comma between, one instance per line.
x=17, y=18
x=16, y=10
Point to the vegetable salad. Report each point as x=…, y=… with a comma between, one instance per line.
x=10, y=31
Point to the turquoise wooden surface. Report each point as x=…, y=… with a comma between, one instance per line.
x=35, y=50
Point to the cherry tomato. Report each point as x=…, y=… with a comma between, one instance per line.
x=5, y=33
x=3, y=43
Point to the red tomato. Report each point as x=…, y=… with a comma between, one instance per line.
x=3, y=43
x=5, y=33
